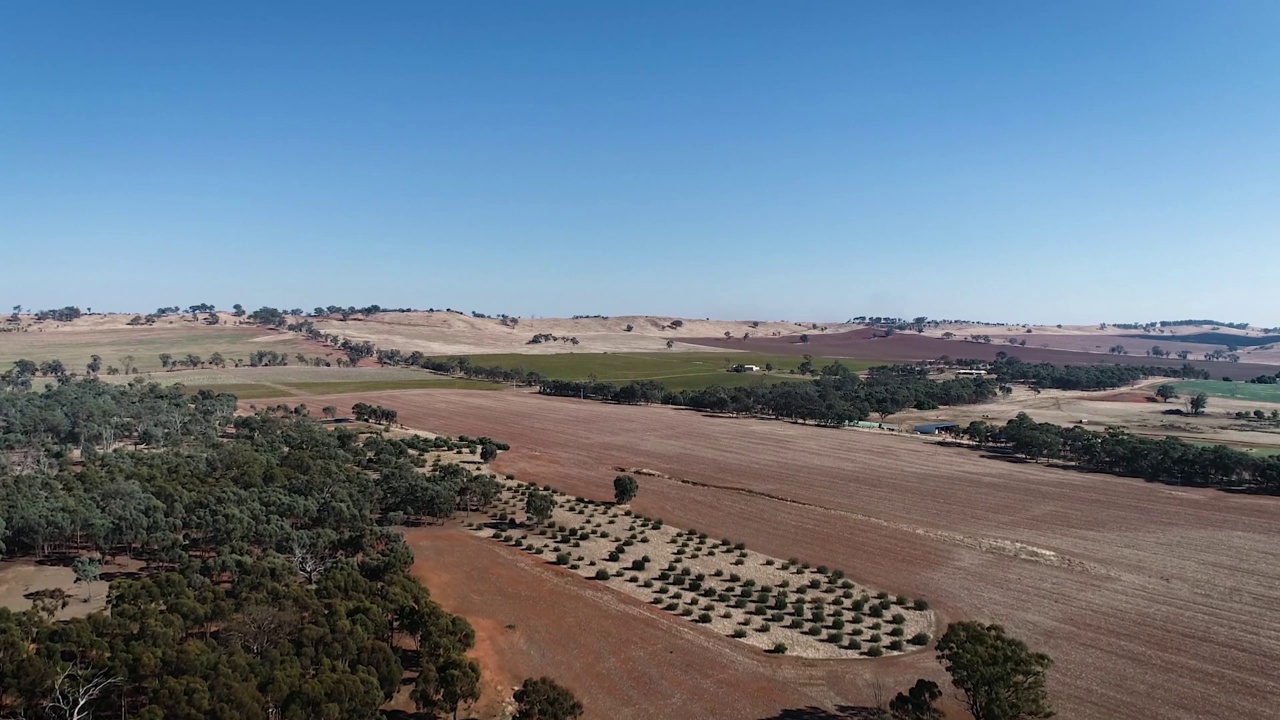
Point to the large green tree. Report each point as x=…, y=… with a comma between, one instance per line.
x=998, y=675
x=544, y=699
x=538, y=506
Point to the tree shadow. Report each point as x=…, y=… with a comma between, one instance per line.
x=840, y=712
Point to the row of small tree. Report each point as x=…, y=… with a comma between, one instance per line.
x=1169, y=460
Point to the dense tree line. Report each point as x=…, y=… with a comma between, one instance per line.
x=837, y=397
x=271, y=587
x=1148, y=326
x=1169, y=460
x=365, y=412
x=64, y=314
x=1010, y=369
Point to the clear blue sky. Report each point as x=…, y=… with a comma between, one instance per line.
x=1023, y=161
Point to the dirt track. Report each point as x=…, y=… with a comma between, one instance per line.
x=1156, y=602
x=863, y=344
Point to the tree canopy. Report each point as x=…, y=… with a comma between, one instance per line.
x=272, y=587
x=998, y=676
x=625, y=488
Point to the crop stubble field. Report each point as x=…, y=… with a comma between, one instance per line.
x=1154, y=601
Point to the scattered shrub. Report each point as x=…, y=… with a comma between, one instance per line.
x=602, y=574
x=919, y=639
x=779, y=649
x=704, y=618
x=896, y=632
x=874, y=651
x=815, y=630
x=739, y=633
x=895, y=645
x=920, y=604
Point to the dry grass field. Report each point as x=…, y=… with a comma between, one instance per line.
x=112, y=339
x=1155, y=601
x=442, y=333
x=1135, y=409
x=250, y=383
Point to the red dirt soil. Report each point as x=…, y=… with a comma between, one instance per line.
x=1154, y=601
x=622, y=658
x=867, y=344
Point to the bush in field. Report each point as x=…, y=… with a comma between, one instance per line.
x=920, y=604
x=874, y=651
x=625, y=488
x=602, y=574
x=704, y=618
x=779, y=649
x=895, y=645
x=919, y=639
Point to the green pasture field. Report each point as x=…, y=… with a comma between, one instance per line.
x=1234, y=390
x=677, y=370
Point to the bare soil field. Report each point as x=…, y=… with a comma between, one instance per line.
x=625, y=659
x=865, y=344
x=21, y=579
x=1154, y=601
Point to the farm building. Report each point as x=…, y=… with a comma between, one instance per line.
x=935, y=428
x=746, y=368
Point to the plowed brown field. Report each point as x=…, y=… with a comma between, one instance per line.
x=863, y=344
x=1155, y=602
